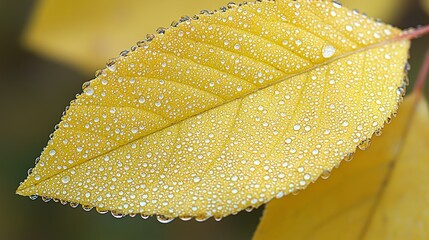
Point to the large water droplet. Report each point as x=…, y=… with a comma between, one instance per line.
x=328, y=51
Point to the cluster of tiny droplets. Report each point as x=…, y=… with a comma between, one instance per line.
x=224, y=111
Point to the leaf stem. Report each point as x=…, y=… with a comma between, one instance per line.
x=413, y=33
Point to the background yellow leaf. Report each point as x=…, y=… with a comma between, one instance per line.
x=381, y=194
x=225, y=112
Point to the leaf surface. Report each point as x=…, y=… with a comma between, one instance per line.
x=225, y=112
x=381, y=194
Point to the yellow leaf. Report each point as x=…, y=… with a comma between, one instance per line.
x=86, y=33
x=382, y=194
x=225, y=112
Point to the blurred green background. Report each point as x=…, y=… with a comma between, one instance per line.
x=34, y=92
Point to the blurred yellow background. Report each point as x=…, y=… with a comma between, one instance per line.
x=49, y=48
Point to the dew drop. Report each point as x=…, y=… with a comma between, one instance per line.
x=111, y=66
x=325, y=174
x=73, y=204
x=87, y=208
x=33, y=197
x=116, y=214
x=249, y=209
x=388, y=120
x=142, y=99
x=89, y=91
x=65, y=179
x=365, y=144
x=348, y=157
x=328, y=51
x=378, y=133
x=37, y=177
x=201, y=218
x=46, y=199
x=336, y=4
x=134, y=130
x=52, y=152
x=164, y=219
x=197, y=179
